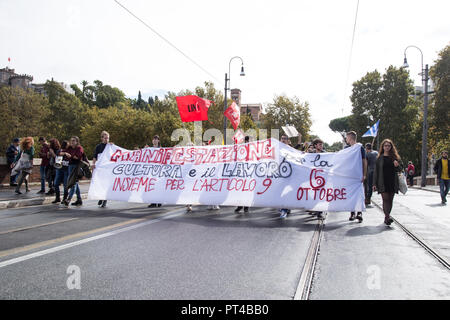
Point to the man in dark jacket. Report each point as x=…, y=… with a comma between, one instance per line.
x=441, y=168
x=11, y=154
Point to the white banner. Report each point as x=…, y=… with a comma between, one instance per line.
x=264, y=173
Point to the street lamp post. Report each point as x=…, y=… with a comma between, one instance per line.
x=424, y=74
x=227, y=79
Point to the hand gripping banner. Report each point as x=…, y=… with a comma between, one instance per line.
x=265, y=173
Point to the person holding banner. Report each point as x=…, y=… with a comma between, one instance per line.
x=284, y=212
x=386, y=180
x=156, y=144
x=351, y=141
x=104, y=136
x=238, y=209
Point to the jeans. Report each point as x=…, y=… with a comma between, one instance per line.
x=444, y=185
x=75, y=188
x=42, y=171
x=61, y=176
x=12, y=179
x=369, y=185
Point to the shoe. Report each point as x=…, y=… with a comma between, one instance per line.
x=238, y=209
x=388, y=221
x=159, y=205
x=359, y=217
x=288, y=211
x=65, y=202
x=352, y=217
x=40, y=192
x=103, y=204
x=50, y=192
x=283, y=214
x=245, y=210
x=99, y=203
x=77, y=203
x=18, y=192
x=13, y=184
x=216, y=208
x=153, y=205
x=27, y=190
x=188, y=209
x=56, y=200
x=319, y=215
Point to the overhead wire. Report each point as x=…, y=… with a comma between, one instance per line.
x=167, y=41
x=351, y=55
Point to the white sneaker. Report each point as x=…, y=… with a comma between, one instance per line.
x=283, y=214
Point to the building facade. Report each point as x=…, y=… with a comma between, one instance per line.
x=253, y=109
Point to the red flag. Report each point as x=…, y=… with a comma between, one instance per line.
x=233, y=114
x=193, y=108
x=238, y=137
x=9, y=59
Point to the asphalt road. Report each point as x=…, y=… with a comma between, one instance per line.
x=129, y=251
x=161, y=253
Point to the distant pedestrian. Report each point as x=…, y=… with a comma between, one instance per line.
x=23, y=163
x=11, y=154
x=410, y=172
x=43, y=154
x=386, y=180
x=371, y=161
x=441, y=168
x=317, y=148
x=156, y=142
x=75, y=153
x=62, y=171
x=104, y=136
x=238, y=209
x=351, y=138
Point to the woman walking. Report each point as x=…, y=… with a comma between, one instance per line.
x=75, y=153
x=386, y=180
x=23, y=164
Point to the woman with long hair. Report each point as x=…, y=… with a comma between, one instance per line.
x=75, y=154
x=23, y=164
x=385, y=176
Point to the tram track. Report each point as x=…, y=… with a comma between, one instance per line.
x=306, y=277
x=435, y=253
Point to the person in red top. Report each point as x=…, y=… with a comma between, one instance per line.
x=410, y=172
x=75, y=153
x=44, y=154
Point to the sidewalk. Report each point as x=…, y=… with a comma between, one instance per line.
x=9, y=199
x=426, y=188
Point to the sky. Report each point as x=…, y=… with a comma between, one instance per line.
x=298, y=48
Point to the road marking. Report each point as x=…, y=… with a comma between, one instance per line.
x=168, y=215
x=37, y=226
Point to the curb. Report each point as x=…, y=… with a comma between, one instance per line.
x=425, y=189
x=19, y=203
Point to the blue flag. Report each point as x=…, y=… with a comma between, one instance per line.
x=373, y=131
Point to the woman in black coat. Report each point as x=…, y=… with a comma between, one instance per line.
x=385, y=176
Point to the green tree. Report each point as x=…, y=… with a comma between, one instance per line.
x=439, y=128
x=341, y=124
x=284, y=110
x=66, y=114
x=21, y=114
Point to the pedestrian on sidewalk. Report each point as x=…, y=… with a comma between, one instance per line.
x=386, y=180
x=23, y=164
x=61, y=165
x=75, y=154
x=156, y=144
x=50, y=172
x=371, y=160
x=104, y=136
x=11, y=153
x=351, y=138
x=441, y=168
x=410, y=172
x=43, y=154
